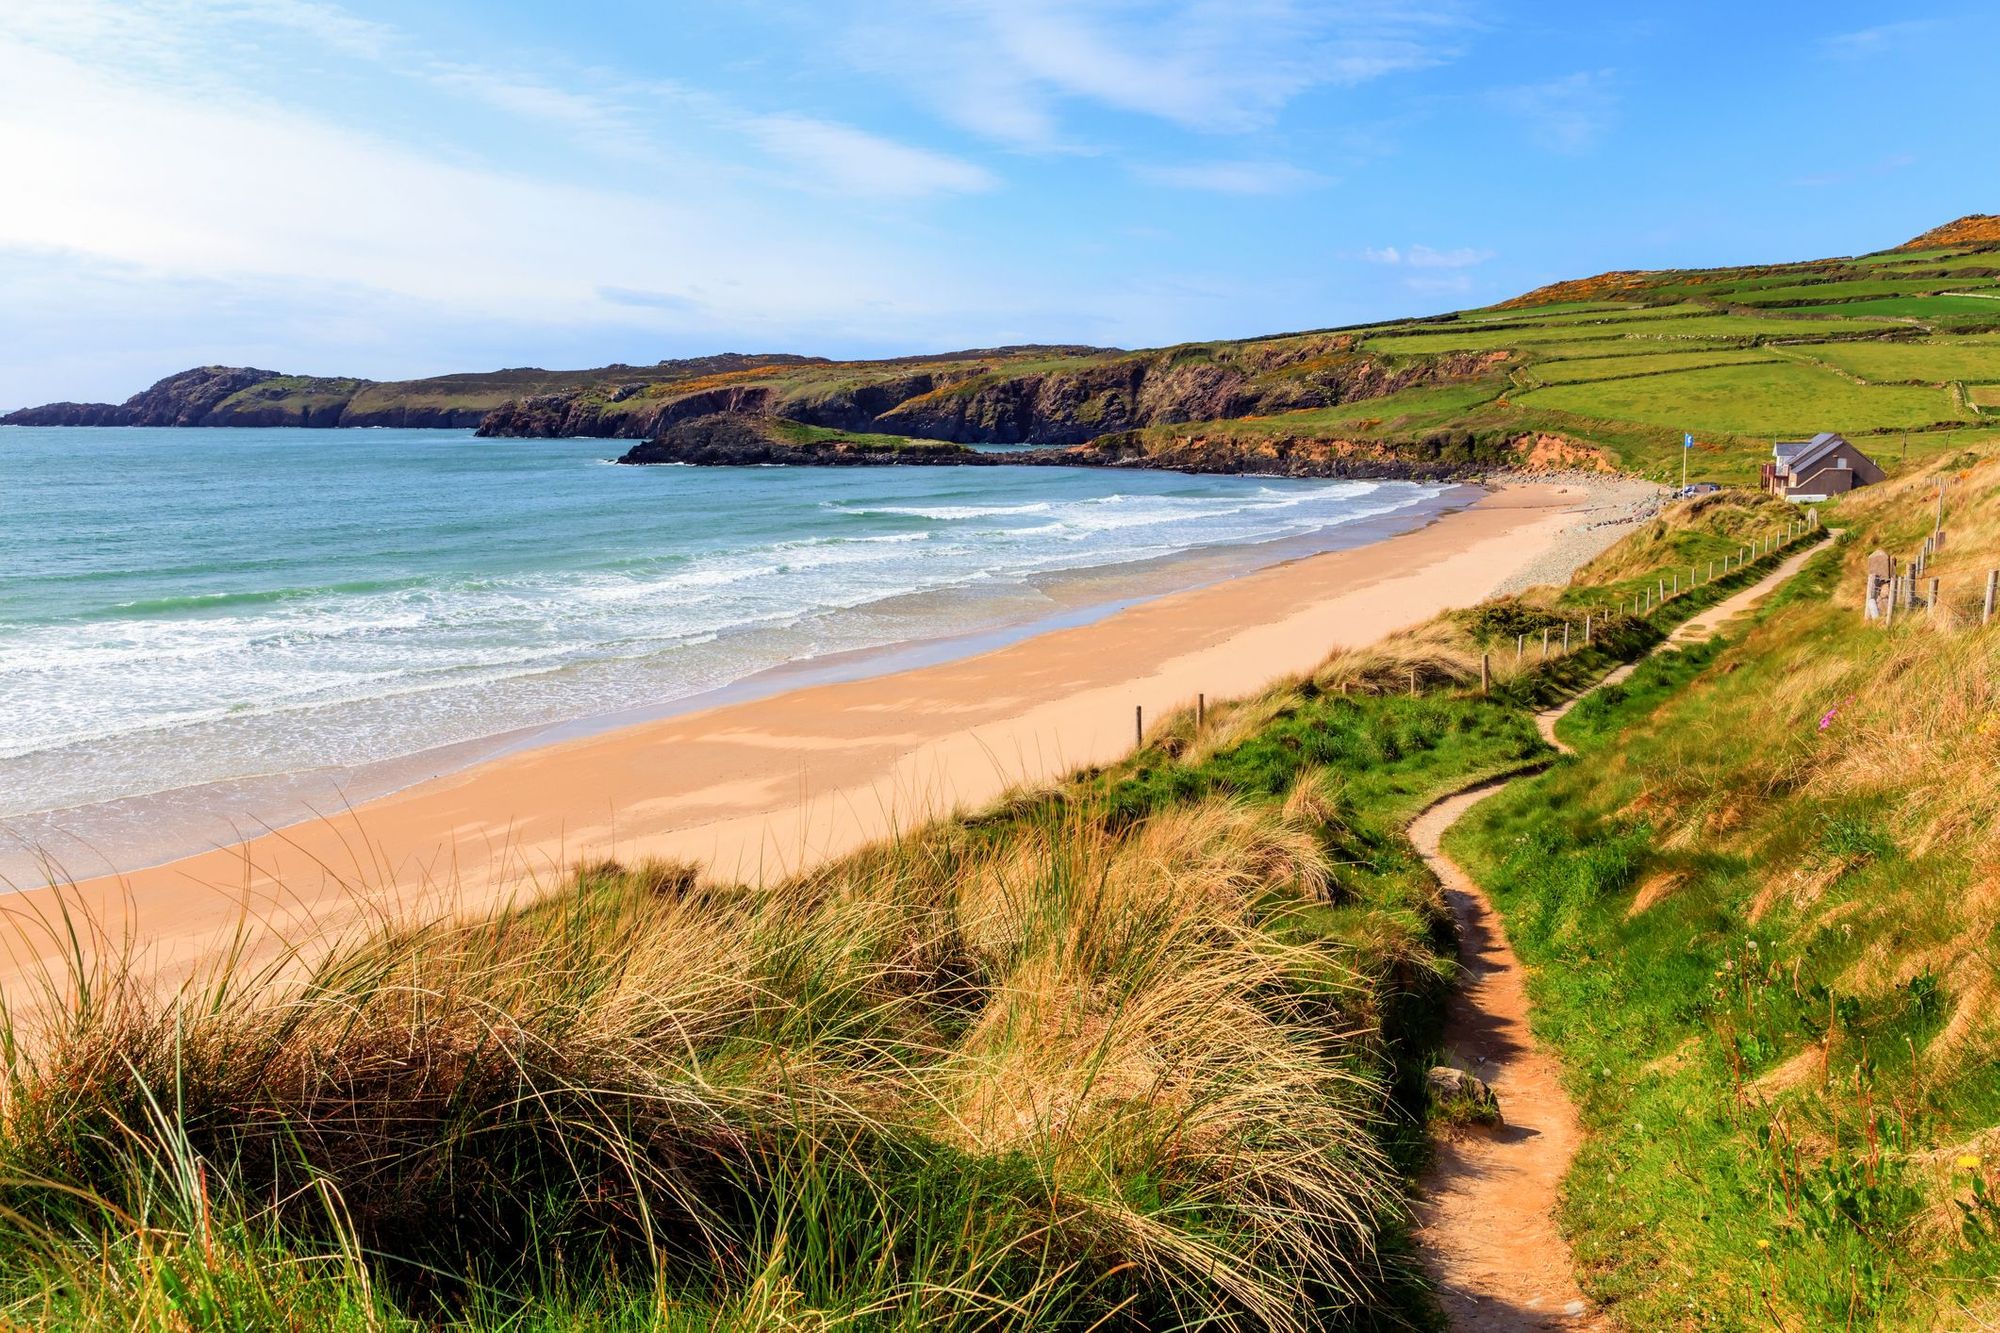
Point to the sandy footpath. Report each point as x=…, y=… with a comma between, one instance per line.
x=761, y=788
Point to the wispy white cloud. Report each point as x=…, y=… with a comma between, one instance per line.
x=1005, y=68
x=115, y=184
x=1880, y=40
x=1566, y=115
x=182, y=43
x=853, y=160
x=1423, y=256
x=1250, y=178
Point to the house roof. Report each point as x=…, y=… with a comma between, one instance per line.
x=1796, y=455
x=1818, y=447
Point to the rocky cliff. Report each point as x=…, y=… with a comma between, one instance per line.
x=185, y=399
x=726, y=439
x=246, y=396
x=1015, y=400
x=734, y=440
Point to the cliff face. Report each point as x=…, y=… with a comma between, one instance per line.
x=70, y=414
x=726, y=440
x=186, y=399
x=245, y=396
x=973, y=403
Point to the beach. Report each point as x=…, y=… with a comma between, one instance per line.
x=758, y=789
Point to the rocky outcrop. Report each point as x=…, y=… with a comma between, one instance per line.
x=974, y=404
x=732, y=440
x=244, y=396
x=70, y=414
x=186, y=399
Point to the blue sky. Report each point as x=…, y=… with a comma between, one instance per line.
x=391, y=189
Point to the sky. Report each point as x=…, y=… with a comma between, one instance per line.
x=396, y=188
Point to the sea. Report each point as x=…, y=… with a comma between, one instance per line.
x=207, y=633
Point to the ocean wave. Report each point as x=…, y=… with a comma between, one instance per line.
x=408, y=611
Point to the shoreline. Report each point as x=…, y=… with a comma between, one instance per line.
x=140, y=830
x=756, y=790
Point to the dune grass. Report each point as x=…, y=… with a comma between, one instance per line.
x=1123, y=1050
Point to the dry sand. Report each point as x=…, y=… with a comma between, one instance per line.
x=758, y=789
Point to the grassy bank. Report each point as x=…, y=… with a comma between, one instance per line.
x=1141, y=1049
x=1757, y=907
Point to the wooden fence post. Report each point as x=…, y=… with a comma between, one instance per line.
x=1545, y=643
x=1138, y=724
x=1586, y=629
x=1485, y=673
x=1565, y=636
x=1413, y=682
x=1520, y=644
x=1201, y=710
x=1931, y=609
x=1992, y=586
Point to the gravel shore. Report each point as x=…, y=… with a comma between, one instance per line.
x=1610, y=507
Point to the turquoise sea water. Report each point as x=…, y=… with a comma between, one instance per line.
x=219, y=609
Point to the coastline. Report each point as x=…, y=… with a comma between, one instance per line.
x=153, y=826
x=760, y=788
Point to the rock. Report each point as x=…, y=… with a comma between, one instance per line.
x=966, y=401
x=186, y=399
x=70, y=414
x=1467, y=1097
x=724, y=439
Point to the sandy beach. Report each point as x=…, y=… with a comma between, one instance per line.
x=759, y=789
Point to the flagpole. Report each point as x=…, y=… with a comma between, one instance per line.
x=1687, y=443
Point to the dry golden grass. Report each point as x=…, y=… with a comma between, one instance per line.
x=658, y=1054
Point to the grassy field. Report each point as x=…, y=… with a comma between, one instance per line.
x=1911, y=362
x=1578, y=370
x=1756, y=909
x=1787, y=400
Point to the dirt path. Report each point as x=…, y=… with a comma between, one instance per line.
x=1486, y=1218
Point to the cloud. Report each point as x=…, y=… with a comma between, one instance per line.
x=603, y=124
x=1567, y=115
x=855, y=161
x=115, y=183
x=1248, y=178
x=1423, y=256
x=183, y=44
x=1879, y=40
x=1006, y=68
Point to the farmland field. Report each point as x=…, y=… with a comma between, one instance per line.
x=1577, y=370
x=1750, y=400
x=1918, y=307
x=1927, y=362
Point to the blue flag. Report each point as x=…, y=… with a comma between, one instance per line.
x=1687, y=441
